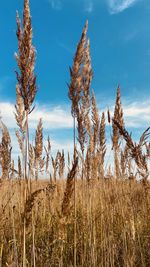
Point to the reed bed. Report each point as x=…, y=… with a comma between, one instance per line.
x=86, y=213
x=112, y=230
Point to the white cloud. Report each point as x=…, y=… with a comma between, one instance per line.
x=130, y=35
x=56, y=118
x=137, y=114
x=88, y=6
x=66, y=145
x=56, y=4
x=53, y=117
x=117, y=6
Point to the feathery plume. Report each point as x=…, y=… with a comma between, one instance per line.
x=102, y=144
x=5, y=152
x=26, y=87
x=95, y=120
x=38, y=149
x=75, y=73
x=69, y=189
x=136, y=149
x=118, y=116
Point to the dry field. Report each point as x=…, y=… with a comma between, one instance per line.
x=87, y=213
x=112, y=225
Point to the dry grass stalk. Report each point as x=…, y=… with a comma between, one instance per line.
x=81, y=76
x=75, y=73
x=83, y=118
x=96, y=121
x=26, y=91
x=118, y=116
x=20, y=119
x=136, y=149
x=31, y=161
x=29, y=206
x=69, y=189
x=61, y=165
x=19, y=168
x=26, y=86
x=147, y=146
x=13, y=171
x=39, y=141
x=108, y=116
x=124, y=161
x=102, y=145
x=5, y=152
x=87, y=75
x=47, y=151
x=81, y=130
x=38, y=149
x=55, y=164
x=69, y=162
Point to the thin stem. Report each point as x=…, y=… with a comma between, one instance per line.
x=75, y=223
x=74, y=136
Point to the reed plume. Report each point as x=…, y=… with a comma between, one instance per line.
x=61, y=164
x=55, y=164
x=95, y=120
x=47, y=151
x=87, y=75
x=75, y=94
x=102, y=144
x=135, y=150
x=38, y=149
x=19, y=168
x=69, y=189
x=20, y=119
x=5, y=152
x=118, y=116
x=25, y=57
x=26, y=91
x=84, y=104
x=31, y=161
x=75, y=74
x=26, y=80
x=29, y=206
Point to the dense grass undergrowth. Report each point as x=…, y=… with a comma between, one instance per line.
x=112, y=225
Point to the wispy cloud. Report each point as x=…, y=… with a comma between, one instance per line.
x=53, y=117
x=55, y=4
x=59, y=117
x=130, y=35
x=66, y=144
x=88, y=6
x=117, y=6
x=66, y=47
x=137, y=114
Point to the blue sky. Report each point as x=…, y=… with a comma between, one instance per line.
x=119, y=32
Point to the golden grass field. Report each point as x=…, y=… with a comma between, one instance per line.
x=112, y=219
x=87, y=212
